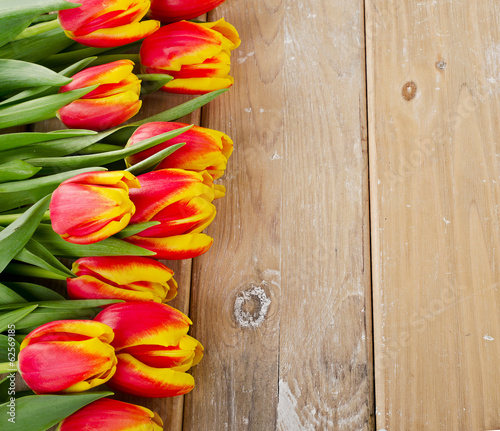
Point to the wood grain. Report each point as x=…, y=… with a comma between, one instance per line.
x=282, y=298
x=435, y=196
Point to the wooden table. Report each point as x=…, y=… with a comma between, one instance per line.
x=354, y=279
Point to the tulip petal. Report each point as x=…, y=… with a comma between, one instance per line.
x=172, y=10
x=134, y=377
x=117, y=36
x=138, y=323
x=226, y=29
x=175, y=247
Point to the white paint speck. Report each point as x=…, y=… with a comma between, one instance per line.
x=446, y=221
x=488, y=338
x=247, y=109
x=276, y=156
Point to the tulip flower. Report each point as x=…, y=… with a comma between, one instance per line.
x=177, y=10
x=107, y=24
x=182, y=202
x=92, y=206
x=112, y=415
x=153, y=349
x=67, y=356
x=205, y=149
x=197, y=55
x=115, y=100
x=129, y=278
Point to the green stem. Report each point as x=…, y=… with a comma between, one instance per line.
x=6, y=219
x=38, y=29
x=31, y=271
x=6, y=367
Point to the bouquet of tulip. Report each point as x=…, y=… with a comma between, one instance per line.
x=113, y=197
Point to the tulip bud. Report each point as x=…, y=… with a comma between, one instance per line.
x=205, y=149
x=115, y=100
x=181, y=201
x=67, y=356
x=177, y=10
x=92, y=206
x=112, y=415
x=197, y=55
x=107, y=24
x=129, y=278
x=153, y=349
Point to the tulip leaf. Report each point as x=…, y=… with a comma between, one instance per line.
x=15, y=236
x=33, y=292
x=40, y=109
x=153, y=82
x=14, y=140
x=170, y=114
x=18, y=193
x=15, y=74
x=32, y=93
x=15, y=316
x=36, y=254
x=36, y=48
x=154, y=159
x=40, y=412
x=16, y=15
x=41, y=316
x=133, y=229
x=26, y=270
x=66, y=304
x=51, y=164
x=8, y=345
x=17, y=170
x=107, y=247
x=8, y=296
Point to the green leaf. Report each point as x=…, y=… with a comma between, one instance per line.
x=107, y=247
x=14, y=140
x=26, y=270
x=36, y=48
x=17, y=170
x=36, y=254
x=51, y=164
x=15, y=316
x=16, y=74
x=154, y=159
x=109, y=58
x=66, y=304
x=8, y=345
x=32, y=93
x=17, y=15
x=39, y=28
x=8, y=296
x=39, y=109
x=41, y=316
x=153, y=82
x=40, y=412
x=33, y=292
x=25, y=192
x=133, y=229
x=15, y=236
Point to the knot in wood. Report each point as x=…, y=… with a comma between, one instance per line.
x=250, y=307
x=441, y=65
x=409, y=90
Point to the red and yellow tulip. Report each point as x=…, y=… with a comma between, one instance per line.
x=108, y=23
x=177, y=10
x=67, y=356
x=112, y=415
x=197, y=55
x=182, y=202
x=115, y=100
x=153, y=349
x=129, y=278
x=205, y=149
x=92, y=206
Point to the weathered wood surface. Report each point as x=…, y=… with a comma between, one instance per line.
x=433, y=93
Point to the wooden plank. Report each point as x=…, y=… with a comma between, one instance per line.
x=282, y=300
x=433, y=104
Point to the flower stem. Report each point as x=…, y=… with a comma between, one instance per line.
x=6, y=219
x=8, y=367
x=38, y=29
